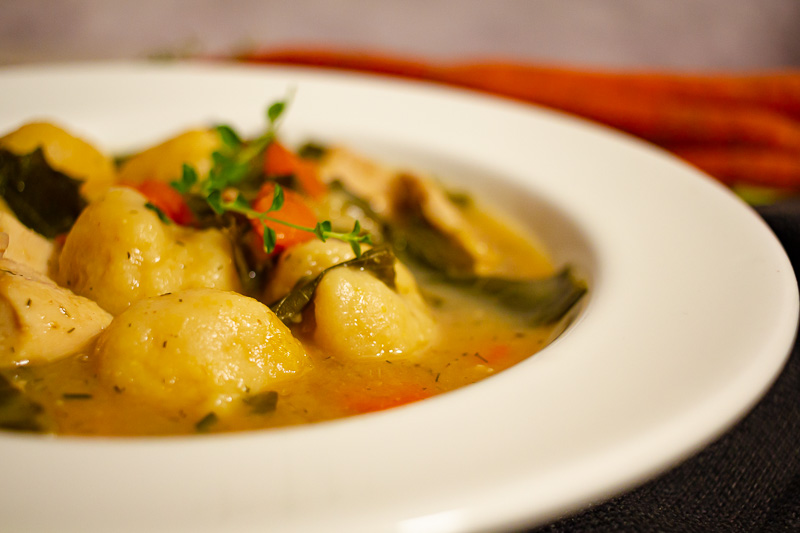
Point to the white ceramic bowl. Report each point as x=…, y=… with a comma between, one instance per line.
x=691, y=313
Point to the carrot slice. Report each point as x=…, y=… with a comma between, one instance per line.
x=280, y=161
x=365, y=402
x=294, y=210
x=167, y=199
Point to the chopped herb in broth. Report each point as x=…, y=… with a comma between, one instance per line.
x=215, y=283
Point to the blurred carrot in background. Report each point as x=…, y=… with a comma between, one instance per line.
x=743, y=129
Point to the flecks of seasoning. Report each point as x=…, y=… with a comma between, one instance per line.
x=388, y=361
x=129, y=256
x=28, y=303
x=437, y=377
x=180, y=300
x=70, y=330
x=118, y=389
x=63, y=310
x=479, y=356
x=164, y=344
x=180, y=243
x=76, y=396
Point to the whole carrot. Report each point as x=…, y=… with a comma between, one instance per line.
x=746, y=166
x=778, y=90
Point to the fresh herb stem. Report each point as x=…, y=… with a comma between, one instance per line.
x=233, y=163
x=322, y=229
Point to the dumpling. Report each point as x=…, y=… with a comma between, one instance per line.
x=119, y=252
x=198, y=348
x=357, y=316
x=164, y=162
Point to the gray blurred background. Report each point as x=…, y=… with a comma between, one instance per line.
x=675, y=34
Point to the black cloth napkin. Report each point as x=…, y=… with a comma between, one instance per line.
x=746, y=481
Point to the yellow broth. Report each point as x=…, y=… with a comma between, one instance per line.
x=476, y=341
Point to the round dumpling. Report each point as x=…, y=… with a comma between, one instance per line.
x=358, y=317
x=119, y=252
x=197, y=348
x=164, y=162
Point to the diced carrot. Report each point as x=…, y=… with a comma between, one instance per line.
x=294, y=210
x=167, y=199
x=366, y=402
x=280, y=161
x=496, y=354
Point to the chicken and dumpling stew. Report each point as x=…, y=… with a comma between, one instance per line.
x=212, y=283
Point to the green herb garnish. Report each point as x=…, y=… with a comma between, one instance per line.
x=235, y=165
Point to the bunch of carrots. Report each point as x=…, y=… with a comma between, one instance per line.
x=743, y=129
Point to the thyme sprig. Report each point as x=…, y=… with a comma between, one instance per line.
x=235, y=162
x=322, y=230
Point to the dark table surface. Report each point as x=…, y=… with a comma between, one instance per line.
x=748, y=480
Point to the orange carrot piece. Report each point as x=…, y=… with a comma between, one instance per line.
x=364, y=402
x=496, y=354
x=294, y=210
x=167, y=199
x=746, y=166
x=280, y=161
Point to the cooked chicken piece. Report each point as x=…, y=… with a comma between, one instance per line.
x=393, y=193
x=25, y=245
x=40, y=321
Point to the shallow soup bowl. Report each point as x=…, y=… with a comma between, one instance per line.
x=691, y=312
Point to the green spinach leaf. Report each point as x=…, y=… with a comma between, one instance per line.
x=45, y=200
x=378, y=261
